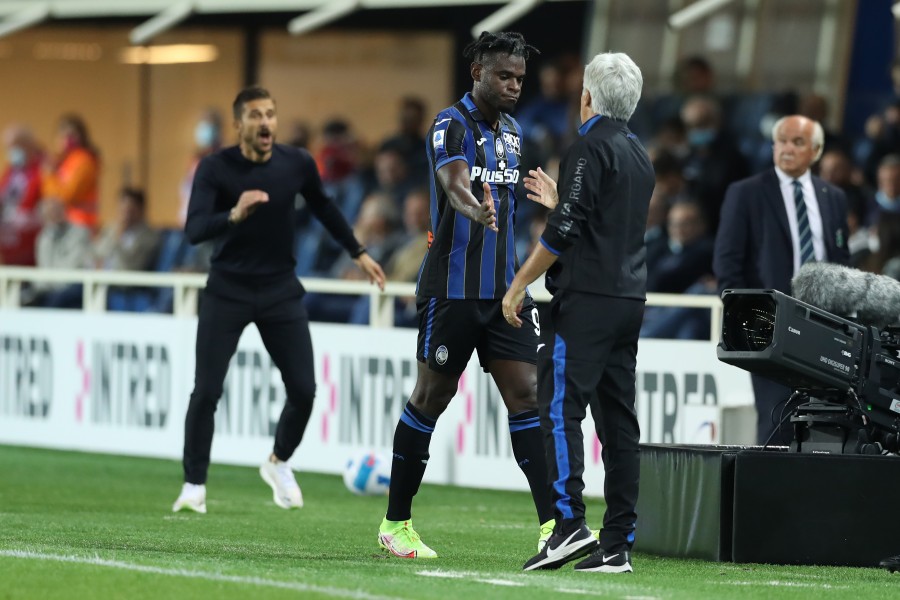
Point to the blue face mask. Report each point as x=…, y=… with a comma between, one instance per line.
x=206, y=135
x=17, y=157
x=888, y=204
x=701, y=137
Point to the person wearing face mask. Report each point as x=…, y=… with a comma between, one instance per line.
x=887, y=197
x=772, y=223
x=20, y=191
x=207, y=139
x=713, y=161
x=72, y=175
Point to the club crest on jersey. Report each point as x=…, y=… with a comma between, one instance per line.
x=498, y=176
x=441, y=354
x=512, y=143
x=498, y=146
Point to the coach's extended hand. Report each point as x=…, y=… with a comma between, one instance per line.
x=543, y=188
x=371, y=268
x=512, y=304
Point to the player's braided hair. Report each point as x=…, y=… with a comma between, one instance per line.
x=491, y=43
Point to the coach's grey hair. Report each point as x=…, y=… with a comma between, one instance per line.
x=818, y=135
x=615, y=83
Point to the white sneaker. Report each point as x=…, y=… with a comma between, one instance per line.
x=193, y=497
x=280, y=478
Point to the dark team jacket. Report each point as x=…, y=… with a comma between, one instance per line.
x=262, y=246
x=465, y=260
x=597, y=229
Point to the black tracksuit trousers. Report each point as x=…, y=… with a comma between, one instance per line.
x=588, y=359
x=228, y=305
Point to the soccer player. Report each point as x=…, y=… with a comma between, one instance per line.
x=474, y=153
x=243, y=199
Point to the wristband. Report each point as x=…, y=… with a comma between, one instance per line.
x=359, y=252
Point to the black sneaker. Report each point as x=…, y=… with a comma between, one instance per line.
x=891, y=563
x=603, y=561
x=562, y=548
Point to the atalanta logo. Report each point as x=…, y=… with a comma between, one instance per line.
x=498, y=146
x=441, y=354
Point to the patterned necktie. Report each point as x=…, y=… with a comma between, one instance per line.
x=807, y=253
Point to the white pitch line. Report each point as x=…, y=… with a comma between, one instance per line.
x=479, y=578
x=258, y=581
x=776, y=583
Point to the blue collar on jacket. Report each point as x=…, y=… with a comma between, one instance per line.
x=587, y=125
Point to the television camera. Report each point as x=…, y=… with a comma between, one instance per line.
x=844, y=370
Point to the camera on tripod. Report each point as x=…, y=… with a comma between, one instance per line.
x=845, y=374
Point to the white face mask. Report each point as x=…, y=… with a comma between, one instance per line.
x=17, y=156
x=206, y=135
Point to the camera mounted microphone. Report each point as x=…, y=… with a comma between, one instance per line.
x=868, y=298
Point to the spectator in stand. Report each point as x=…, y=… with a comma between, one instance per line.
x=887, y=197
x=409, y=140
x=207, y=139
x=60, y=245
x=886, y=260
x=669, y=188
x=179, y=254
x=392, y=175
x=406, y=261
x=129, y=244
x=339, y=165
x=837, y=169
x=299, y=135
x=694, y=75
x=882, y=137
x=815, y=106
x=545, y=119
x=714, y=161
x=376, y=229
x=671, y=138
x=685, y=267
x=72, y=174
x=689, y=253
x=20, y=191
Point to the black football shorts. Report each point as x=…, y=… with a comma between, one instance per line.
x=449, y=330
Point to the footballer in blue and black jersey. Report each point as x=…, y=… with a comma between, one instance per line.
x=474, y=154
x=466, y=260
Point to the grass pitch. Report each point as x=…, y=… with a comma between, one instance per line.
x=76, y=525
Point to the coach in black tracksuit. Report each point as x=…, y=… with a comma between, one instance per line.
x=243, y=198
x=594, y=254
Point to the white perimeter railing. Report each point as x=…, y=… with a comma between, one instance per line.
x=186, y=288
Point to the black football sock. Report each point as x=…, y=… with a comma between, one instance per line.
x=411, y=439
x=528, y=448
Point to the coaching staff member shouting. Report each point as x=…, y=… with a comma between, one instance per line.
x=243, y=199
x=593, y=252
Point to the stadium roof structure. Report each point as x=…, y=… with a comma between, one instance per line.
x=16, y=15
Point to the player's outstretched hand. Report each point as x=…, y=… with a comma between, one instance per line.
x=542, y=188
x=371, y=268
x=487, y=215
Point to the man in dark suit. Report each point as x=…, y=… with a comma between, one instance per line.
x=771, y=224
